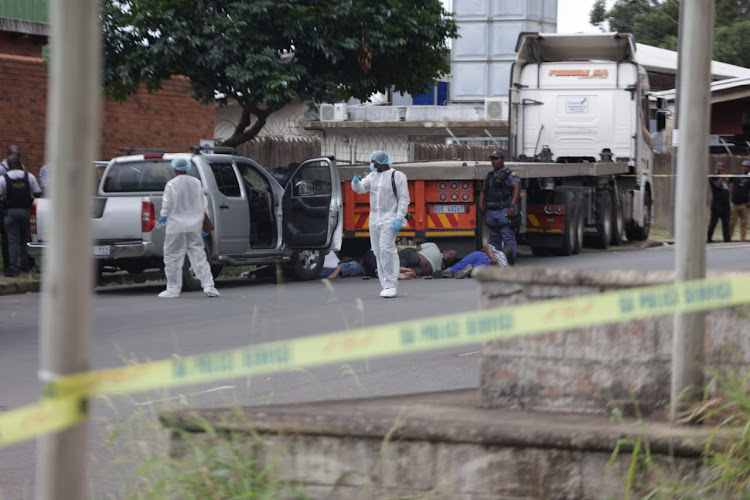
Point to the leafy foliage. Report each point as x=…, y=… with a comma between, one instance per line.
x=656, y=22
x=265, y=53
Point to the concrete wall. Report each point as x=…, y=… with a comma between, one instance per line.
x=598, y=368
x=541, y=427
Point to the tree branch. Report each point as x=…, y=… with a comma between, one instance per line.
x=244, y=134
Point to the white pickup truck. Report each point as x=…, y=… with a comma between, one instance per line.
x=257, y=221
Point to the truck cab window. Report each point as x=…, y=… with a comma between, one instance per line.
x=226, y=179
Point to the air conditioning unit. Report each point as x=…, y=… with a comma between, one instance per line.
x=333, y=112
x=496, y=108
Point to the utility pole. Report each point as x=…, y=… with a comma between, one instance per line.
x=72, y=142
x=694, y=94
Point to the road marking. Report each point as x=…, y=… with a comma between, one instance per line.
x=179, y=396
x=468, y=354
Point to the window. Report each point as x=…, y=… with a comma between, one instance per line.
x=313, y=179
x=226, y=179
x=251, y=177
x=140, y=176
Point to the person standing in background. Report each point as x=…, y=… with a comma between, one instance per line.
x=719, y=203
x=740, y=201
x=183, y=207
x=389, y=203
x=17, y=191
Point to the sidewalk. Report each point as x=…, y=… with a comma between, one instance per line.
x=28, y=284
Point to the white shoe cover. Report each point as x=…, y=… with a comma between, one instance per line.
x=168, y=294
x=211, y=291
x=388, y=293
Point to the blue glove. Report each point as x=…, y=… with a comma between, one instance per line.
x=355, y=180
x=397, y=225
x=205, y=234
x=162, y=219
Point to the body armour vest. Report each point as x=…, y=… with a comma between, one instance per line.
x=18, y=192
x=497, y=187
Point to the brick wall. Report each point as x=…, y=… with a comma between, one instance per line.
x=168, y=119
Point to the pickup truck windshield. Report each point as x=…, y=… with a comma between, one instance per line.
x=140, y=176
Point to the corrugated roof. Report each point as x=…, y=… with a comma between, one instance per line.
x=665, y=61
x=25, y=10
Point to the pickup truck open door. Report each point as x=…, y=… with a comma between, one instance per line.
x=312, y=206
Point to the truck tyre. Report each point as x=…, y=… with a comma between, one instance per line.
x=580, y=222
x=604, y=221
x=307, y=264
x=618, y=220
x=190, y=282
x=570, y=233
x=636, y=233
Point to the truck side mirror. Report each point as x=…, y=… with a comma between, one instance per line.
x=661, y=121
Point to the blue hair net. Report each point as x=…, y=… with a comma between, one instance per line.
x=180, y=164
x=380, y=157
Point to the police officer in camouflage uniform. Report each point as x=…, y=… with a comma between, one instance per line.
x=498, y=197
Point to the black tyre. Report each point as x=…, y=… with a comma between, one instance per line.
x=570, y=234
x=604, y=221
x=580, y=222
x=307, y=264
x=190, y=282
x=641, y=233
x=541, y=251
x=618, y=221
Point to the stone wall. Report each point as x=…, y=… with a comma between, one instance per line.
x=496, y=444
x=625, y=365
x=436, y=446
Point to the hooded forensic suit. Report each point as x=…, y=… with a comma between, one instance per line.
x=385, y=208
x=184, y=204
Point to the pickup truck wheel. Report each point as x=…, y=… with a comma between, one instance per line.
x=190, y=282
x=307, y=264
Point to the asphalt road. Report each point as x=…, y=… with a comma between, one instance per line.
x=131, y=324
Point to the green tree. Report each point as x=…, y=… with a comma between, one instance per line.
x=265, y=53
x=656, y=22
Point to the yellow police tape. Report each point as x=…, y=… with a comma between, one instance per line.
x=378, y=341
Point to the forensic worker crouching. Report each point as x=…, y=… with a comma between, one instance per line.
x=498, y=200
x=182, y=208
x=389, y=203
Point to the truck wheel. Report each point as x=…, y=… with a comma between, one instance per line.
x=570, y=234
x=190, y=282
x=579, y=223
x=618, y=221
x=641, y=233
x=604, y=221
x=307, y=264
x=541, y=251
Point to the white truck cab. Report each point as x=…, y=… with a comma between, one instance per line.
x=582, y=98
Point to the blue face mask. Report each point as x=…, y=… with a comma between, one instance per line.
x=372, y=167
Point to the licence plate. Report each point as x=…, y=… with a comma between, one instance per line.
x=449, y=209
x=102, y=250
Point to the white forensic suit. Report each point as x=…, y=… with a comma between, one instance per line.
x=384, y=209
x=184, y=203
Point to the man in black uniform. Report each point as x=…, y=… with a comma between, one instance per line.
x=16, y=188
x=740, y=200
x=719, y=202
x=498, y=197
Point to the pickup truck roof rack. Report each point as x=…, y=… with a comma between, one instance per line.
x=130, y=151
x=214, y=149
